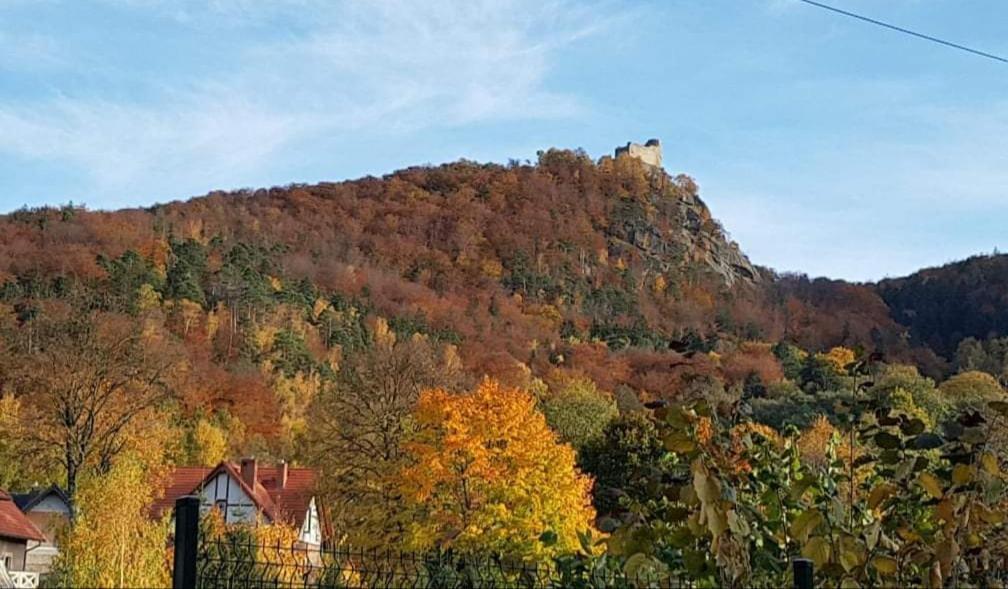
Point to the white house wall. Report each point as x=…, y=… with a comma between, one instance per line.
x=224, y=488
x=310, y=530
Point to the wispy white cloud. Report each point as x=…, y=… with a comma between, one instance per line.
x=324, y=69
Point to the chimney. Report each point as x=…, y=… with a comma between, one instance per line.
x=282, y=474
x=249, y=471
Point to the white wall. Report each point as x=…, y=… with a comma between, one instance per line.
x=237, y=506
x=311, y=532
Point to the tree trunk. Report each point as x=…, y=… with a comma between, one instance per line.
x=71, y=489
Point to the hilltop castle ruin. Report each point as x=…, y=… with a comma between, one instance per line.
x=649, y=153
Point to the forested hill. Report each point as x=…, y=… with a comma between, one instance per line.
x=945, y=305
x=609, y=270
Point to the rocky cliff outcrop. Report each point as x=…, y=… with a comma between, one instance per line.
x=674, y=231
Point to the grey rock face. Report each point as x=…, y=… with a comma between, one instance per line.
x=672, y=229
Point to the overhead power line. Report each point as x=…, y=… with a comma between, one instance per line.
x=906, y=31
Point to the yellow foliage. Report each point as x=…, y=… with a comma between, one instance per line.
x=973, y=387
x=295, y=394
x=660, y=284
x=271, y=541
x=148, y=298
x=814, y=447
x=191, y=313
x=450, y=360
x=383, y=336
x=114, y=543
x=263, y=337
x=488, y=475
x=813, y=443
x=492, y=268
x=548, y=312
x=758, y=432
x=210, y=444
x=213, y=323
x=274, y=543
x=839, y=357
x=321, y=306
x=10, y=417
x=20, y=463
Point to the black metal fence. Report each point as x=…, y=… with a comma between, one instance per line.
x=240, y=561
x=224, y=564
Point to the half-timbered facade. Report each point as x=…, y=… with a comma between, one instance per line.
x=250, y=493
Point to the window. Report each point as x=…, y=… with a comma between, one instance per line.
x=8, y=560
x=221, y=506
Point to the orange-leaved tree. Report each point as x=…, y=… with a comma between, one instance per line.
x=486, y=474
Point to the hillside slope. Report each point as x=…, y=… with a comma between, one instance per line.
x=944, y=305
x=568, y=267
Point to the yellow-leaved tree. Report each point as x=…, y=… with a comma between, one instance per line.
x=114, y=543
x=255, y=551
x=208, y=444
x=486, y=474
x=840, y=357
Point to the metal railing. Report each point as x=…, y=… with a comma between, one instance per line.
x=241, y=561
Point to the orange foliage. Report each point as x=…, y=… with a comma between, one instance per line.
x=751, y=358
x=489, y=475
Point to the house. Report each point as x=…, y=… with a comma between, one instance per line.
x=251, y=493
x=18, y=537
x=49, y=509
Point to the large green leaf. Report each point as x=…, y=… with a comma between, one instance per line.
x=805, y=524
x=887, y=441
x=912, y=427
x=880, y=493
x=885, y=565
x=852, y=553
x=707, y=488
x=679, y=442
x=799, y=487
x=817, y=549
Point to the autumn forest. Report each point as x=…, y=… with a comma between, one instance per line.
x=568, y=362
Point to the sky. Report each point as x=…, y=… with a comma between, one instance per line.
x=824, y=145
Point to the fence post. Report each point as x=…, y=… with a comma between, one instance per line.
x=802, y=573
x=186, y=542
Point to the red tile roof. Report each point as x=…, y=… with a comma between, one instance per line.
x=289, y=504
x=14, y=524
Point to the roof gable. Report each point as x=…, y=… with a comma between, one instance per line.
x=27, y=501
x=288, y=504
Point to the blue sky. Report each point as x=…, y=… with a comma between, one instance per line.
x=824, y=145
